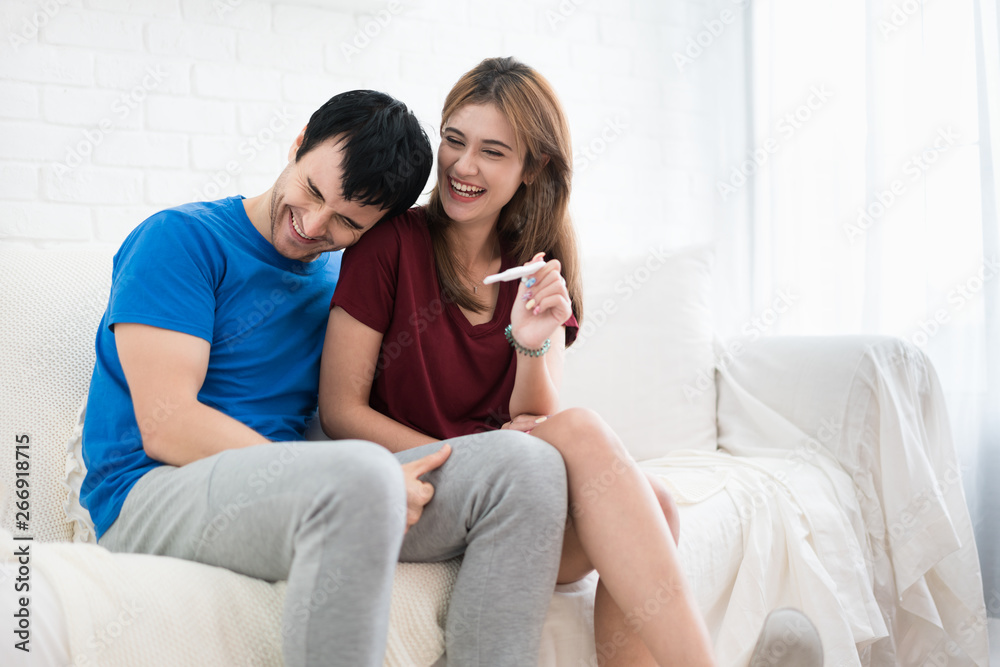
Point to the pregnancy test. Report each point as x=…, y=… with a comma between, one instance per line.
x=513, y=274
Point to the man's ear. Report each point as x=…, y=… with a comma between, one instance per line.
x=529, y=178
x=297, y=144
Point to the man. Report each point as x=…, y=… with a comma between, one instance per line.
x=207, y=373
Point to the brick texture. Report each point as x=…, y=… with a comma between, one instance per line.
x=113, y=109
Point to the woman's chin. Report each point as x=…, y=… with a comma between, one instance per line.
x=462, y=212
x=456, y=211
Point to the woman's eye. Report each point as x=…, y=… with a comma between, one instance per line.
x=453, y=141
x=494, y=154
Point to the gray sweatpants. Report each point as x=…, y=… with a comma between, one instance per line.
x=330, y=515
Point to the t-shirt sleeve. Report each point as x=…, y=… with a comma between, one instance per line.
x=368, y=277
x=165, y=276
x=572, y=327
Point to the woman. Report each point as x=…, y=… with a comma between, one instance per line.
x=501, y=198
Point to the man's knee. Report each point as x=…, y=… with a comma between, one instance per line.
x=369, y=469
x=515, y=448
x=356, y=476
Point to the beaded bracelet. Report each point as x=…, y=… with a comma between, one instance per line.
x=508, y=333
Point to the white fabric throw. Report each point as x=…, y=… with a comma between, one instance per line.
x=136, y=610
x=800, y=549
x=879, y=417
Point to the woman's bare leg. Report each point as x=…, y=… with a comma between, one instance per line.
x=615, y=636
x=621, y=528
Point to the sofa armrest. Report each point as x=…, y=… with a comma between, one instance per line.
x=872, y=405
x=806, y=384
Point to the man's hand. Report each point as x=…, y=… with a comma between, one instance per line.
x=419, y=493
x=524, y=422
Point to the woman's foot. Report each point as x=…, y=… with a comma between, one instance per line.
x=788, y=638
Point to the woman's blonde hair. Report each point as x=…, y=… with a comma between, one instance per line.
x=536, y=219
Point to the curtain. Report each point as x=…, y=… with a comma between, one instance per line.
x=871, y=185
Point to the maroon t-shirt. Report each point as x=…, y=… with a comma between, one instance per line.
x=436, y=372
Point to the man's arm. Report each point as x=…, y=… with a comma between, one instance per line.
x=165, y=371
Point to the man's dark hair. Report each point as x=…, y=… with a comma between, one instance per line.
x=386, y=155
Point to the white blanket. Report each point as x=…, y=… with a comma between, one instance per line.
x=135, y=610
x=799, y=549
x=884, y=423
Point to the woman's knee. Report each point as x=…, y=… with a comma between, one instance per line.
x=582, y=434
x=579, y=423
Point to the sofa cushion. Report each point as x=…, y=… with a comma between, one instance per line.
x=52, y=301
x=76, y=472
x=643, y=358
x=170, y=611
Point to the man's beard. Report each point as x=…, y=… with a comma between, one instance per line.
x=276, y=202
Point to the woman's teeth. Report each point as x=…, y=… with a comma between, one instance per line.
x=298, y=230
x=469, y=191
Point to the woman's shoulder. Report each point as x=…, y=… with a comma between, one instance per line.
x=410, y=222
x=408, y=226
x=394, y=238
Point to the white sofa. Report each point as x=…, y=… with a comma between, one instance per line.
x=815, y=472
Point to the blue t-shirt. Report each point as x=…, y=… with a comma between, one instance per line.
x=204, y=269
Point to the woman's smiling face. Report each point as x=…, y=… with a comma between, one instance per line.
x=479, y=166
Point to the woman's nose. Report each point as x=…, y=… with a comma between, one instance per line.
x=466, y=163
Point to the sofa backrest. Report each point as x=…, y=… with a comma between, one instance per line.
x=52, y=302
x=644, y=357
x=643, y=360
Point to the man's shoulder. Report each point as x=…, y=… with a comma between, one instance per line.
x=198, y=223
x=193, y=218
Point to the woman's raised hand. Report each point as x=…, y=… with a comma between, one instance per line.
x=542, y=307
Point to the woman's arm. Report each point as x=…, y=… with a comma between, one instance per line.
x=536, y=383
x=350, y=353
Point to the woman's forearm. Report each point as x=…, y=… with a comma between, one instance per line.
x=535, y=392
x=537, y=379
x=364, y=423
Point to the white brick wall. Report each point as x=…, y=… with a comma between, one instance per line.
x=113, y=109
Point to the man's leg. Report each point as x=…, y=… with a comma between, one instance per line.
x=327, y=516
x=501, y=499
